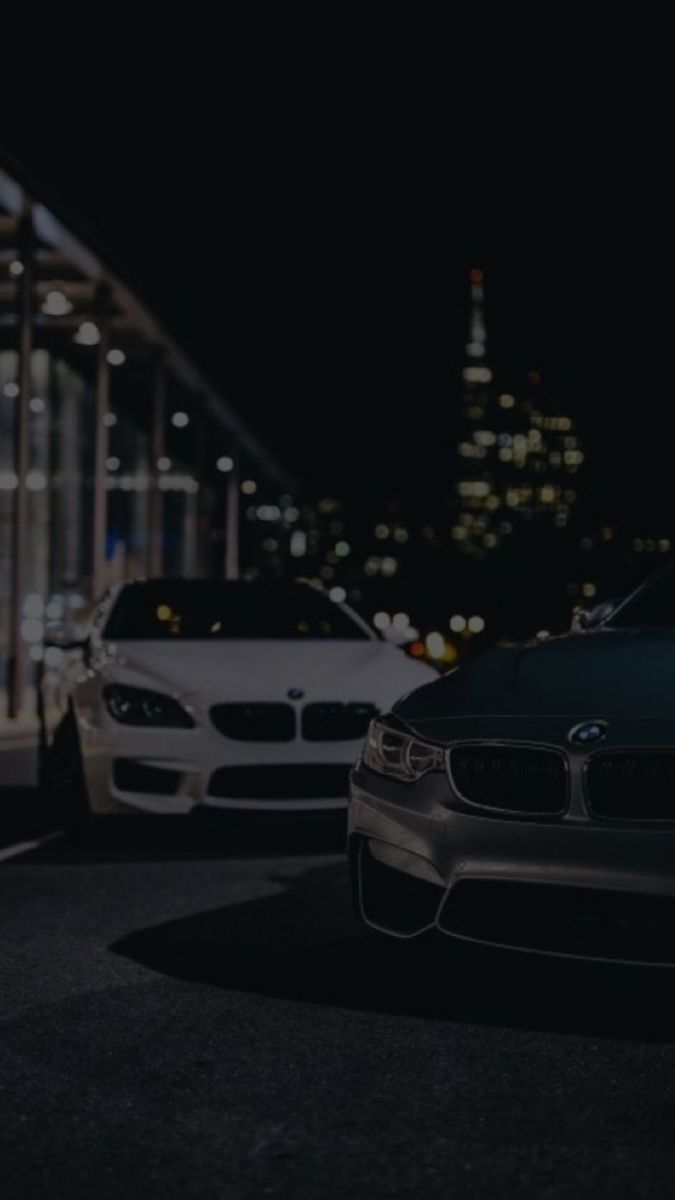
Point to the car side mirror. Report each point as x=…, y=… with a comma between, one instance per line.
x=65, y=637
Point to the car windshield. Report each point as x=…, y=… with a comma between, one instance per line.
x=166, y=609
x=652, y=607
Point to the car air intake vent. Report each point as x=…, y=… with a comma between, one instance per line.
x=132, y=776
x=255, y=722
x=514, y=779
x=296, y=781
x=562, y=920
x=635, y=785
x=335, y=722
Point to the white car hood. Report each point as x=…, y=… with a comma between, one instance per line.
x=209, y=671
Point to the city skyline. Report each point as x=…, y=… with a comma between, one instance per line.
x=518, y=455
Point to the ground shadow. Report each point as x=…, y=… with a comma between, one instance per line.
x=304, y=944
x=201, y=835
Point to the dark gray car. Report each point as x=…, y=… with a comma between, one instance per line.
x=527, y=799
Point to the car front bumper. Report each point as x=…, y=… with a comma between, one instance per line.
x=569, y=886
x=174, y=771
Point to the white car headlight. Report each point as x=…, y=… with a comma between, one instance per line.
x=399, y=755
x=138, y=706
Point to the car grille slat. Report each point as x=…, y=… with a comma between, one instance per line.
x=515, y=779
x=333, y=721
x=635, y=785
x=255, y=722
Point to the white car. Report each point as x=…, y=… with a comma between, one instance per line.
x=187, y=692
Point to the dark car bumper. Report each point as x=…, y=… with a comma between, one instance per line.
x=570, y=886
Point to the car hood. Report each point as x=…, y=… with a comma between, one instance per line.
x=608, y=673
x=212, y=671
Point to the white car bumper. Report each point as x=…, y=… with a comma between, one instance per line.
x=172, y=771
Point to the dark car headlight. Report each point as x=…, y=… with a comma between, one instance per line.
x=391, y=752
x=136, y=706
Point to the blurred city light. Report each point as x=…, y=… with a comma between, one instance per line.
x=33, y=605
x=435, y=643
x=55, y=608
x=56, y=304
x=88, y=334
x=32, y=630
x=298, y=544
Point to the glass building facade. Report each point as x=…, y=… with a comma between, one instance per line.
x=117, y=459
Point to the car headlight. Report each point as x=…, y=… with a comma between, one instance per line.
x=399, y=755
x=136, y=706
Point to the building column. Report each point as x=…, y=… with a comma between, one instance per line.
x=202, y=523
x=17, y=647
x=232, y=518
x=157, y=451
x=69, y=505
x=190, y=548
x=101, y=442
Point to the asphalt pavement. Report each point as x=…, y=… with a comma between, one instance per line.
x=190, y=1010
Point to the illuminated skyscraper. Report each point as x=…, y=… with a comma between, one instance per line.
x=515, y=453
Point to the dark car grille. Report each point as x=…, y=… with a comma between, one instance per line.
x=517, y=779
x=329, y=721
x=335, y=722
x=297, y=781
x=563, y=920
x=636, y=785
x=255, y=722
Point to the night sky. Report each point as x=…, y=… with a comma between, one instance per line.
x=316, y=268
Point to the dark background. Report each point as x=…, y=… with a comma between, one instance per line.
x=314, y=259
x=302, y=207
